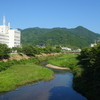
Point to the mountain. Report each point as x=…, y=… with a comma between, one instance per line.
x=84, y=32
x=74, y=37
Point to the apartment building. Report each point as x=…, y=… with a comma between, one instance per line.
x=9, y=36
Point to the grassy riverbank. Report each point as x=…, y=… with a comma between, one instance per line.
x=85, y=67
x=15, y=73
x=66, y=60
x=19, y=75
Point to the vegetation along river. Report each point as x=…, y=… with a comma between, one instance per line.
x=60, y=88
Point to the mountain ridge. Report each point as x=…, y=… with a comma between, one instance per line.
x=74, y=37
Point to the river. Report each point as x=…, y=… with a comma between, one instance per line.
x=60, y=88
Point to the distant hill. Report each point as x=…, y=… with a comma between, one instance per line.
x=75, y=37
x=84, y=32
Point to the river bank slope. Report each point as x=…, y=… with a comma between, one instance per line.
x=15, y=73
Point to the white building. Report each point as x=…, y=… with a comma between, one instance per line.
x=92, y=45
x=66, y=48
x=9, y=36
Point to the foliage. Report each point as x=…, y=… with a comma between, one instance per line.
x=22, y=72
x=36, y=60
x=89, y=81
x=81, y=31
x=18, y=49
x=29, y=50
x=65, y=60
x=77, y=37
x=9, y=63
x=51, y=49
x=33, y=50
x=4, y=51
x=86, y=69
x=58, y=49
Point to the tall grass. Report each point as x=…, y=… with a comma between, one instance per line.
x=36, y=60
x=5, y=65
x=66, y=60
x=18, y=75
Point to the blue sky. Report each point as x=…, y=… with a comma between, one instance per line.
x=51, y=13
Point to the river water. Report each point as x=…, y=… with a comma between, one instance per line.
x=60, y=88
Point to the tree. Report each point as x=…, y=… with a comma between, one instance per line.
x=28, y=50
x=4, y=51
x=89, y=80
x=18, y=49
x=58, y=48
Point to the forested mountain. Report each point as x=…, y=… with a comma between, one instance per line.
x=75, y=37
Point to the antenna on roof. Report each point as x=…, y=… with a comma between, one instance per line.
x=4, y=20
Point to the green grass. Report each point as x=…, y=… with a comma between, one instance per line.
x=66, y=60
x=22, y=74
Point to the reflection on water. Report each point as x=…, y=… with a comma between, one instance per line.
x=59, y=88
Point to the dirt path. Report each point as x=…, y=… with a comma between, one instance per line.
x=56, y=67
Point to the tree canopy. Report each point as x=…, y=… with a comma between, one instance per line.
x=89, y=81
x=4, y=51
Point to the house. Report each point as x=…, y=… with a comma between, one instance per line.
x=66, y=48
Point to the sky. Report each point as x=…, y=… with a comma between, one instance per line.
x=51, y=13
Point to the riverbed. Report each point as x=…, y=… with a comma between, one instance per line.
x=60, y=88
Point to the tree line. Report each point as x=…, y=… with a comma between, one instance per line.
x=27, y=49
